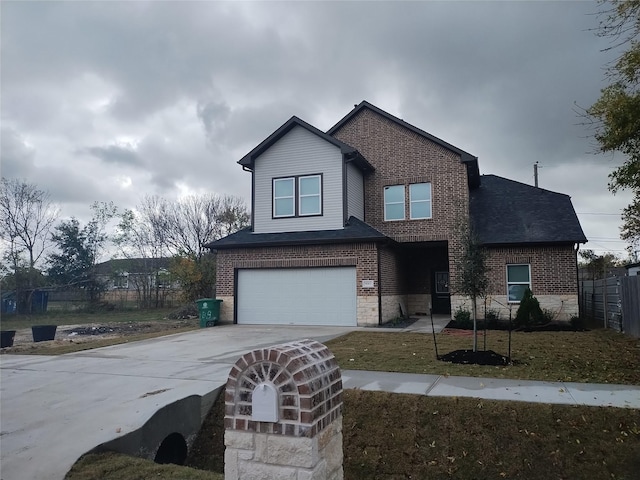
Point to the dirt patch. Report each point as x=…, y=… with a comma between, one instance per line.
x=95, y=333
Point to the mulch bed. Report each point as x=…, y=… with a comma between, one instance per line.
x=484, y=357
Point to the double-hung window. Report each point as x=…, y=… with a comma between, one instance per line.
x=518, y=280
x=284, y=197
x=394, y=202
x=297, y=196
x=419, y=201
x=309, y=195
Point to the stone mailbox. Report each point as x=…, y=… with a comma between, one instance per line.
x=283, y=414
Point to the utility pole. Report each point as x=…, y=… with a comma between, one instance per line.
x=535, y=174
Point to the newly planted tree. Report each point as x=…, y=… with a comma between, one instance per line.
x=471, y=273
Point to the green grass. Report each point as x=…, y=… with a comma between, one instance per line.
x=411, y=436
x=116, y=466
x=17, y=322
x=396, y=436
x=597, y=356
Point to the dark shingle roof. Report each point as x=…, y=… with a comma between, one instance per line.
x=132, y=265
x=355, y=231
x=348, y=151
x=471, y=161
x=507, y=212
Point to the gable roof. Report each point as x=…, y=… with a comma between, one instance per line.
x=354, y=231
x=348, y=151
x=504, y=211
x=132, y=265
x=471, y=162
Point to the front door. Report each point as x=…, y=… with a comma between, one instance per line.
x=441, y=301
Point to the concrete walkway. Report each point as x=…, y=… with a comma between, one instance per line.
x=589, y=394
x=54, y=409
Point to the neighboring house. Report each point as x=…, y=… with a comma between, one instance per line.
x=633, y=269
x=357, y=226
x=134, y=273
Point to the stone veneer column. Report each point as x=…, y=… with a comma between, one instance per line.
x=305, y=440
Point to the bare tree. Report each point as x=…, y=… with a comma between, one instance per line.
x=181, y=230
x=26, y=218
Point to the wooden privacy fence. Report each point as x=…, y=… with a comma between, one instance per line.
x=615, y=301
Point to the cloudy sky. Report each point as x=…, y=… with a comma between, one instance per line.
x=111, y=101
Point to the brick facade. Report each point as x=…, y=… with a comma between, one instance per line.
x=402, y=157
x=553, y=280
x=553, y=269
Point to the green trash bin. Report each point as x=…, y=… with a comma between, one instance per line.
x=209, y=309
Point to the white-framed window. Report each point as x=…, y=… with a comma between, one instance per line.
x=309, y=195
x=394, y=202
x=284, y=197
x=299, y=196
x=419, y=201
x=518, y=280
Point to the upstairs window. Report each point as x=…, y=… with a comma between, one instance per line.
x=283, y=197
x=518, y=280
x=419, y=201
x=309, y=189
x=297, y=196
x=394, y=202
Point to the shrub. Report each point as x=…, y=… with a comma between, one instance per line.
x=491, y=318
x=548, y=316
x=462, y=316
x=577, y=323
x=529, y=312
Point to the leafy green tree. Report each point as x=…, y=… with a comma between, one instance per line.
x=79, y=249
x=471, y=273
x=598, y=265
x=616, y=114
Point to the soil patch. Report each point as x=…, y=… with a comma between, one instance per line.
x=89, y=334
x=484, y=357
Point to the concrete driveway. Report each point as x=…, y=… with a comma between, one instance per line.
x=55, y=409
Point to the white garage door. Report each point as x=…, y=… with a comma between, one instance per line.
x=297, y=296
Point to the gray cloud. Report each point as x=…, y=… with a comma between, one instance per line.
x=114, y=154
x=194, y=86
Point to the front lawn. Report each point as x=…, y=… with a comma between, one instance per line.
x=596, y=356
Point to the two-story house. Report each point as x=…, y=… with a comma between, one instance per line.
x=360, y=224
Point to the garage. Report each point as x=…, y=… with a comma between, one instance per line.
x=297, y=296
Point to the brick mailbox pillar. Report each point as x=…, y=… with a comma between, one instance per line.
x=283, y=414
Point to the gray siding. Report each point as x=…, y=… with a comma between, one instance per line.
x=299, y=152
x=355, y=192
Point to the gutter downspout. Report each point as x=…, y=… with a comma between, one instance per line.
x=379, y=287
x=580, y=297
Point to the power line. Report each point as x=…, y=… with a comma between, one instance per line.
x=593, y=213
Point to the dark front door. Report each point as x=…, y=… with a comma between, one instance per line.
x=441, y=302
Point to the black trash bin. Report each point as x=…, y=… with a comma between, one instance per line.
x=209, y=309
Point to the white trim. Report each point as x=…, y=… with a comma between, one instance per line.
x=292, y=197
x=384, y=200
x=319, y=195
x=411, y=202
x=528, y=284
